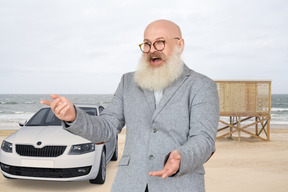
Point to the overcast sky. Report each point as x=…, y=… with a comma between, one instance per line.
x=84, y=46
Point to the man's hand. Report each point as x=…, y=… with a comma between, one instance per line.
x=171, y=166
x=61, y=107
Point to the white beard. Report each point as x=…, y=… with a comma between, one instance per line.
x=158, y=78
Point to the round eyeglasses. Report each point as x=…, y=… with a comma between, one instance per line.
x=159, y=45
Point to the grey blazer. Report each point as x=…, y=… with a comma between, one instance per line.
x=185, y=119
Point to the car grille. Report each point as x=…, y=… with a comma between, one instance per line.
x=46, y=172
x=47, y=151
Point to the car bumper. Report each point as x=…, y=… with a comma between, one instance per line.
x=53, y=173
x=62, y=168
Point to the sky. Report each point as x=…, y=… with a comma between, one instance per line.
x=85, y=46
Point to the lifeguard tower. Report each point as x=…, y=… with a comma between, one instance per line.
x=245, y=106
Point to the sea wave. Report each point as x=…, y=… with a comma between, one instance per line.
x=14, y=112
x=19, y=112
x=279, y=110
x=9, y=102
x=30, y=102
x=15, y=103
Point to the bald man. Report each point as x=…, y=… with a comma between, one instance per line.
x=171, y=115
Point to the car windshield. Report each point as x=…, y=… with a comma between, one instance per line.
x=45, y=117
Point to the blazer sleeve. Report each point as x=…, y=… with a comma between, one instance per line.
x=104, y=127
x=204, y=118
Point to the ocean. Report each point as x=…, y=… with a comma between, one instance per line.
x=15, y=108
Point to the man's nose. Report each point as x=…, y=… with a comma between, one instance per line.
x=152, y=50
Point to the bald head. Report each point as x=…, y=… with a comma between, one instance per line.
x=161, y=62
x=162, y=28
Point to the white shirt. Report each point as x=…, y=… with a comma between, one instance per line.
x=158, y=95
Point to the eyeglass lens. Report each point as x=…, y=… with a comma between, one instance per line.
x=158, y=45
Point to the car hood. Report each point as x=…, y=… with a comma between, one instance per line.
x=47, y=135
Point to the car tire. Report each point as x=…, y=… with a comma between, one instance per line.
x=7, y=177
x=115, y=154
x=101, y=176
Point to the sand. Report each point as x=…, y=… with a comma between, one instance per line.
x=251, y=165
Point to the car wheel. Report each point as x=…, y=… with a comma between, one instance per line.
x=7, y=177
x=101, y=176
x=115, y=154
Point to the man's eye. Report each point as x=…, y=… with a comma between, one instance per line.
x=159, y=42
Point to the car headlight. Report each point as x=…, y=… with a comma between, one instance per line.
x=6, y=146
x=82, y=149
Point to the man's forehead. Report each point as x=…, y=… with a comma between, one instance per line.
x=155, y=39
x=160, y=29
x=154, y=34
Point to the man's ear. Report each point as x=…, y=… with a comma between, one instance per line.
x=181, y=44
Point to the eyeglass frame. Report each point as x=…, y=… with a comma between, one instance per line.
x=149, y=43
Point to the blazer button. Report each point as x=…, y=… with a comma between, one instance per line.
x=151, y=157
x=154, y=130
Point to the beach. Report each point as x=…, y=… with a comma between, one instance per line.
x=248, y=166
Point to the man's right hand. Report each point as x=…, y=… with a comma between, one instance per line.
x=61, y=107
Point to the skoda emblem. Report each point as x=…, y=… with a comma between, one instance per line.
x=39, y=143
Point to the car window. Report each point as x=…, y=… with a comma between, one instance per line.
x=38, y=117
x=51, y=119
x=90, y=110
x=45, y=117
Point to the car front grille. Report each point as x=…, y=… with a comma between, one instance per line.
x=47, y=151
x=46, y=172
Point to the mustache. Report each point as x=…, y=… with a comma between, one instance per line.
x=160, y=55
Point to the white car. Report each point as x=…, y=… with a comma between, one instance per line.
x=43, y=150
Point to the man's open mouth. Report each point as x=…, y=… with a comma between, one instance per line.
x=156, y=59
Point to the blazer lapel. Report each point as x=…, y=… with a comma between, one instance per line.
x=170, y=90
x=150, y=99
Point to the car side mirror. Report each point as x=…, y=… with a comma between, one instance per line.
x=22, y=124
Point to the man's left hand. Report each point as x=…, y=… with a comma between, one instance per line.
x=171, y=166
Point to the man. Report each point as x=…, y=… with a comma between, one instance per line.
x=171, y=115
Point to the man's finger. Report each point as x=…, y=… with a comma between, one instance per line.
x=54, y=104
x=64, y=110
x=46, y=102
x=156, y=173
x=163, y=173
x=54, y=96
x=60, y=106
